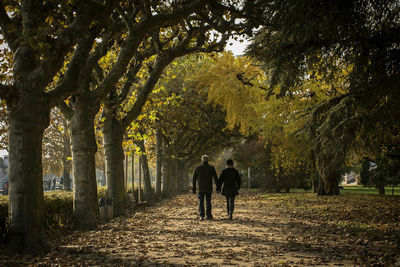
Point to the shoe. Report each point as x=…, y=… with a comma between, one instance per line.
x=201, y=218
x=209, y=218
x=230, y=215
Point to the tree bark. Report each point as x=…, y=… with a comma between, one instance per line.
x=28, y=117
x=140, y=197
x=158, y=163
x=328, y=165
x=314, y=173
x=126, y=172
x=148, y=190
x=133, y=175
x=328, y=182
x=84, y=162
x=381, y=183
x=381, y=188
x=177, y=177
x=67, y=154
x=184, y=175
x=166, y=174
x=113, y=136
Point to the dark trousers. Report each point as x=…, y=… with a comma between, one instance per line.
x=230, y=203
x=208, y=204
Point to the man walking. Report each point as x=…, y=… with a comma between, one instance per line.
x=202, y=178
x=230, y=182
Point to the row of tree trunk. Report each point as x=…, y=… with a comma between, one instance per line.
x=171, y=178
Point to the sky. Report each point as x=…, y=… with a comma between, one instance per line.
x=237, y=48
x=3, y=153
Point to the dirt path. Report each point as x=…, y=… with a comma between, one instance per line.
x=170, y=233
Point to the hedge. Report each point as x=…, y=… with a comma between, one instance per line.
x=57, y=213
x=58, y=207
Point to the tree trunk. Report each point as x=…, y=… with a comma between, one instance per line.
x=113, y=136
x=328, y=175
x=158, y=163
x=133, y=175
x=28, y=117
x=381, y=188
x=184, y=175
x=328, y=183
x=314, y=173
x=174, y=176
x=67, y=154
x=167, y=177
x=126, y=172
x=140, y=197
x=84, y=163
x=164, y=170
x=148, y=190
x=164, y=174
x=381, y=184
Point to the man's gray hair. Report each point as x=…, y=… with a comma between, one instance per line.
x=204, y=158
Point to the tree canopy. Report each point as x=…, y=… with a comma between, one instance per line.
x=313, y=38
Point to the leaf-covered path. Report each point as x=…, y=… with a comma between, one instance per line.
x=264, y=232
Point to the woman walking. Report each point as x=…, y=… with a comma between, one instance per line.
x=230, y=182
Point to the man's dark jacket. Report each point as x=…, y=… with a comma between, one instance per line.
x=230, y=182
x=202, y=178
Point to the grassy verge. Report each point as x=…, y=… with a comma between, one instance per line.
x=369, y=190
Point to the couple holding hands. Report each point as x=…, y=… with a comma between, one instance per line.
x=229, y=181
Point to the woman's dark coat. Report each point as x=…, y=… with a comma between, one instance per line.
x=230, y=182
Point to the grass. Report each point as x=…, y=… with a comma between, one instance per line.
x=357, y=189
x=368, y=190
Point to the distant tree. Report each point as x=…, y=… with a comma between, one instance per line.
x=239, y=86
x=236, y=84
x=187, y=136
x=57, y=148
x=53, y=144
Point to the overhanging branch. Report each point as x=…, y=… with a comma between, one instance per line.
x=69, y=82
x=65, y=110
x=10, y=29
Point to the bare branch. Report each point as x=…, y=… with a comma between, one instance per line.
x=131, y=75
x=11, y=30
x=162, y=60
x=69, y=83
x=71, y=35
x=124, y=17
x=147, y=8
x=136, y=36
x=65, y=110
